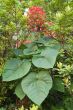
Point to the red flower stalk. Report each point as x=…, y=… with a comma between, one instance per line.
x=36, y=18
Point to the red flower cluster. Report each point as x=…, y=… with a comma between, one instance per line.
x=36, y=18
x=36, y=10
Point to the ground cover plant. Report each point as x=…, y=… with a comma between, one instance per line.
x=36, y=55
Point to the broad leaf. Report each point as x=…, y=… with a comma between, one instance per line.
x=19, y=92
x=41, y=62
x=47, y=58
x=37, y=85
x=15, y=69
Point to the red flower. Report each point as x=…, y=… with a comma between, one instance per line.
x=36, y=10
x=36, y=18
x=37, y=21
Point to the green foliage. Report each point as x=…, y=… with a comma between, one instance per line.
x=10, y=17
x=58, y=85
x=69, y=103
x=35, y=83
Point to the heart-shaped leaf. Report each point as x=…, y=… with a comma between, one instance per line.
x=47, y=58
x=41, y=62
x=15, y=69
x=37, y=85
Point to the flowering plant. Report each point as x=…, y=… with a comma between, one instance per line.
x=36, y=18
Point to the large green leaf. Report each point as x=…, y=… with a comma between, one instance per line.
x=19, y=92
x=41, y=62
x=47, y=58
x=15, y=69
x=37, y=85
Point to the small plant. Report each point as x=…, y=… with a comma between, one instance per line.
x=32, y=67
